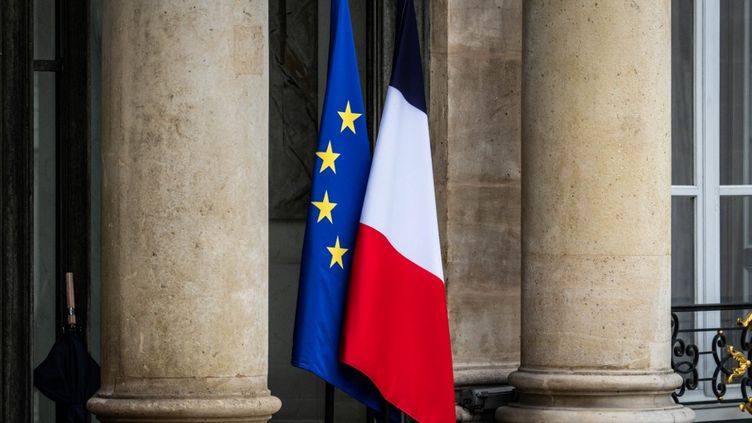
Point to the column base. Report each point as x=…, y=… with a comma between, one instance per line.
x=613, y=397
x=521, y=414
x=189, y=410
x=488, y=373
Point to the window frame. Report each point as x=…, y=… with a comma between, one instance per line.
x=16, y=174
x=707, y=189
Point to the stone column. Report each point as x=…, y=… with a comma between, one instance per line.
x=596, y=125
x=184, y=219
x=475, y=132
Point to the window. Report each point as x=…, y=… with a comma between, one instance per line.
x=712, y=154
x=712, y=174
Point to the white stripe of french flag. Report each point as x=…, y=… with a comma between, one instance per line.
x=396, y=329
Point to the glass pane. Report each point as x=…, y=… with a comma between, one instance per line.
x=736, y=249
x=44, y=29
x=735, y=111
x=682, y=250
x=682, y=92
x=44, y=231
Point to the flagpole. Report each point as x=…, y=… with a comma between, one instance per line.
x=329, y=403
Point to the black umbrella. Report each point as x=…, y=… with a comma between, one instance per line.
x=69, y=376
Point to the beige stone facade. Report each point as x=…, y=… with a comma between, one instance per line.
x=475, y=125
x=541, y=150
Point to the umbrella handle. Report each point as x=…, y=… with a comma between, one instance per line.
x=71, y=298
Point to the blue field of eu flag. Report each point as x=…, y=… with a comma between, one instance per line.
x=340, y=175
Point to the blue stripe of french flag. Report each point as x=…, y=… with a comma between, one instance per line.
x=396, y=328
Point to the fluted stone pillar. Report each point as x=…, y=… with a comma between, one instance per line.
x=184, y=219
x=596, y=122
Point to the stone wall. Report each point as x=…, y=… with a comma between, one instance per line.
x=475, y=57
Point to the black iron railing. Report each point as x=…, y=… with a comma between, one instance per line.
x=711, y=348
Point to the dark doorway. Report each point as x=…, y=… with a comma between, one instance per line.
x=45, y=177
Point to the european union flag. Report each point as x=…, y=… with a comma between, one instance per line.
x=340, y=175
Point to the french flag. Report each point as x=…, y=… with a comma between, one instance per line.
x=396, y=330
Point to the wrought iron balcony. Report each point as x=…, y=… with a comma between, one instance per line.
x=712, y=351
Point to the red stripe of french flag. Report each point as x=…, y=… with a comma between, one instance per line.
x=396, y=330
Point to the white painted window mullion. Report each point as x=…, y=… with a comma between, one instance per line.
x=685, y=191
x=735, y=190
x=709, y=139
x=707, y=172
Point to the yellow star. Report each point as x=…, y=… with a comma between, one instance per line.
x=325, y=208
x=337, y=252
x=327, y=158
x=348, y=118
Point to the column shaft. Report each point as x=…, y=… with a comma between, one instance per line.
x=596, y=238
x=184, y=219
